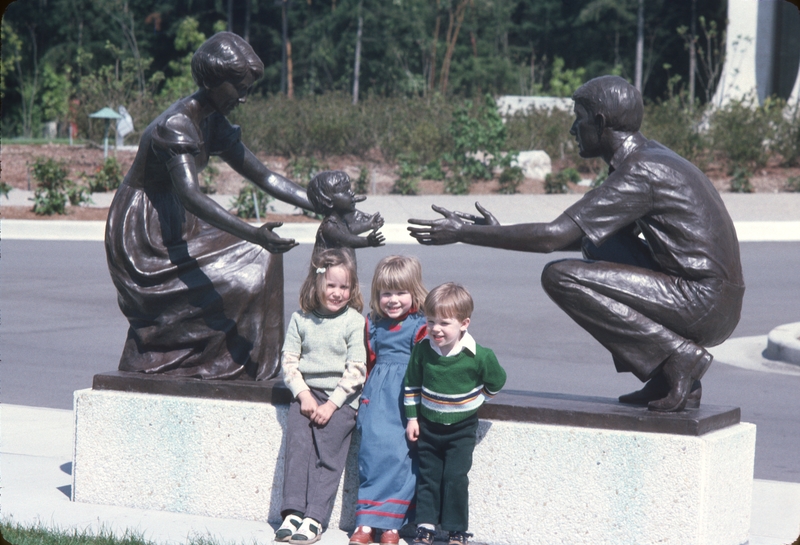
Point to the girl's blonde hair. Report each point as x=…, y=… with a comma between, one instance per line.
x=314, y=284
x=397, y=272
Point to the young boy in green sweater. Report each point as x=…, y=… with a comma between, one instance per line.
x=448, y=378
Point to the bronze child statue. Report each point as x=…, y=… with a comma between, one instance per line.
x=661, y=277
x=331, y=195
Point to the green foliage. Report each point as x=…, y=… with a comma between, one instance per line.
x=50, y=196
x=546, y=130
x=207, y=177
x=245, y=203
x=600, y=177
x=509, y=180
x=330, y=125
x=407, y=182
x=12, y=53
x=56, y=90
x=557, y=183
x=108, y=177
x=740, y=182
x=433, y=171
x=479, y=145
x=457, y=185
x=676, y=125
x=786, y=138
x=41, y=535
x=564, y=82
x=740, y=132
x=187, y=39
x=5, y=189
x=793, y=184
x=361, y=184
x=303, y=169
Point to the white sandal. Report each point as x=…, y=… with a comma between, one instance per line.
x=290, y=525
x=309, y=532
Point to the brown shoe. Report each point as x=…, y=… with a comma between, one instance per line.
x=362, y=536
x=657, y=388
x=390, y=537
x=689, y=363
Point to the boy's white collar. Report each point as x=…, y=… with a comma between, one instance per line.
x=466, y=342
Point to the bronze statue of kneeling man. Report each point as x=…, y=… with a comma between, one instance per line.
x=661, y=277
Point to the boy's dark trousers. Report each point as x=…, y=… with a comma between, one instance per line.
x=445, y=458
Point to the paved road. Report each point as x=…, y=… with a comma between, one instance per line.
x=61, y=325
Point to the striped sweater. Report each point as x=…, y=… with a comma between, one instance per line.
x=448, y=389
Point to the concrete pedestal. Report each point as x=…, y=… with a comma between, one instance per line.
x=531, y=482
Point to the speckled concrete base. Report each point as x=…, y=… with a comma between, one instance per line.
x=530, y=483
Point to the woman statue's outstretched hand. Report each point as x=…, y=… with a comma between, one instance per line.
x=270, y=240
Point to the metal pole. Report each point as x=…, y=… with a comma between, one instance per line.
x=284, y=56
x=105, y=140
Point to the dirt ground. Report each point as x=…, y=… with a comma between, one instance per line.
x=16, y=162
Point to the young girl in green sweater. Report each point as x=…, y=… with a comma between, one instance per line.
x=324, y=366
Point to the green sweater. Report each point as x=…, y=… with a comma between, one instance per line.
x=448, y=389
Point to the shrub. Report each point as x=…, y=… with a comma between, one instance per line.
x=50, y=196
x=107, y=177
x=546, y=130
x=207, y=177
x=362, y=182
x=740, y=182
x=600, y=177
x=303, y=169
x=407, y=182
x=245, y=203
x=793, y=184
x=457, y=185
x=509, y=180
x=321, y=125
x=786, y=140
x=677, y=126
x=740, y=132
x=433, y=171
x=5, y=189
x=557, y=183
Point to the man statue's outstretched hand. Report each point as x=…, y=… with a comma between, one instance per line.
x=447, y=230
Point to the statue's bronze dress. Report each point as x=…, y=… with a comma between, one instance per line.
x=200, y=301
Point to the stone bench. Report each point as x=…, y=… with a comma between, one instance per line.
x=564, y=469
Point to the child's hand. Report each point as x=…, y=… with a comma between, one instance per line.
x=375, y=221
x=308, y=405
x=324, y=413
x=375, y=239
x=412, y=430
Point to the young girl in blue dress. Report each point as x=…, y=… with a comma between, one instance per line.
x=387, y=467
x=324, y=366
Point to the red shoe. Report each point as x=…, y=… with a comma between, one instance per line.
x=362, y=536
x=390, y=537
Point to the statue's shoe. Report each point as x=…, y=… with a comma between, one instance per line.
x=657, y=388
x=681, y=370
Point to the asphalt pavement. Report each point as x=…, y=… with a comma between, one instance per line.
x=60, y=326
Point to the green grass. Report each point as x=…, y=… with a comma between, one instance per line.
x=42, y=141
x=17, y=534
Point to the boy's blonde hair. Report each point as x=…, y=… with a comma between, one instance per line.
x=397, y=272
x=449, y=300
x=314, y=284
